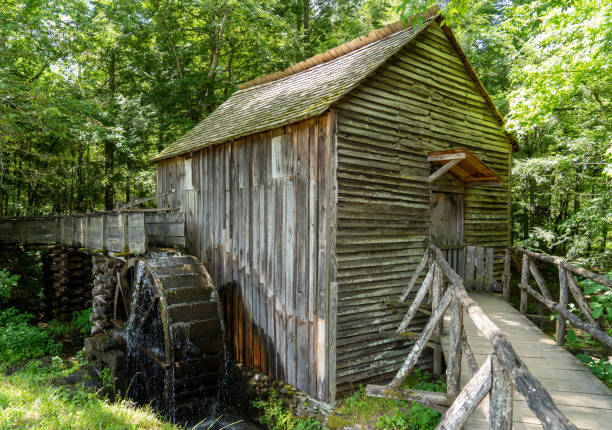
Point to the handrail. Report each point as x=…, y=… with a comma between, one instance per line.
x=567, y=284
x=502, y=370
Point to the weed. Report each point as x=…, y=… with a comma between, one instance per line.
x=275, y=416
x=20, y=341
x=389, y=414
x=7, y=283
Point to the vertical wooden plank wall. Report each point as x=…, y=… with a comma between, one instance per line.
x=422, y=100
x=261, y=217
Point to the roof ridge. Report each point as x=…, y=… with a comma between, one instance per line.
x=340, y=50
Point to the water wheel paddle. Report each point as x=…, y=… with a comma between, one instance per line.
x=173, y=333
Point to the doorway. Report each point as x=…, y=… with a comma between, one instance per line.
x=447, y=227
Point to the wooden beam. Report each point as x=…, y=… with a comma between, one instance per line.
x=599, y=335
x=501, y=397
x=561, y=262
x=446, y=157
x=442, y=170
x=468, y=399
x=437, y=401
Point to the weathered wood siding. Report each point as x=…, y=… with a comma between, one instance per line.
x=260, y=214
x=422, y=100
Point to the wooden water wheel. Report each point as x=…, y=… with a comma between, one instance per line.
x=173, y=333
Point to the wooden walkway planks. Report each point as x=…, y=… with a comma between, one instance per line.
x=585, y=400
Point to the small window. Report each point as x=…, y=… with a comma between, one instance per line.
x=188, y=175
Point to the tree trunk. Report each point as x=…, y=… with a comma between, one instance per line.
x=109, y=145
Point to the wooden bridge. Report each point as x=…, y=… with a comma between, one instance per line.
x=512, y=375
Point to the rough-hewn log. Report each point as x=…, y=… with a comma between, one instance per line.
x=489, y=269
x=468, y=399
x=417, y=348
x=539, y=279
x=580, y=300
x=469, y=355
x=603, y=280
x=560, y=333
x=442, y=170
x=437, y=401
x=599, y=335
x=436, y=295
x=453, y=370
x=501, y=397
x=416, y=303
x=415, y=276
x=524, y=280
x=507, y=274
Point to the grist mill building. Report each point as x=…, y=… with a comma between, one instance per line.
x=311, y=194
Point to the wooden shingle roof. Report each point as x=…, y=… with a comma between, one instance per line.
x=286, y=98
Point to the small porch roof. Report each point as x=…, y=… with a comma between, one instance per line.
x=464, y=165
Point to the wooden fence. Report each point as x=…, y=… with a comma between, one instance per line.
x=132, y=231
x=501, y=372
x=567, y=284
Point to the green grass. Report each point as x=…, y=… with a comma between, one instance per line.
x=29, y=399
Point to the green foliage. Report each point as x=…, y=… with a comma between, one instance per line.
x=79, y=324
x=276, y=416
x=8, y=282
x=602, y=368
x=600, y=298
x=20, y=341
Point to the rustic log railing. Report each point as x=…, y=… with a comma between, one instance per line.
x=567, y=284
x=492, y=385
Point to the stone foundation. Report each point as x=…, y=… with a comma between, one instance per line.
x=105, y=270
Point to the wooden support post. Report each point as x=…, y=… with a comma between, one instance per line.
x=104, y=232
x=417, y=348
x=469, y=266
x=507, y=274
x=563, y=304
x=580, y=300
x=453, y=370
x=415, y=276
x=469, y=354
x=539, y=280
x=489, y=269
x=417, y=300
x=501, y=397
x=468, y=399
x=524, y=281
x=479, y=256
x=436, y=293
x=442, y=170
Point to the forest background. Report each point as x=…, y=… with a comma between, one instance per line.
x=90, y=90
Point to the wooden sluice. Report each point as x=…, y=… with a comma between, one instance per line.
x=122, y=231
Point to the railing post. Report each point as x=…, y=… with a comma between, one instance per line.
x=563, y=304
x=469, y=266
x=524, y=281
x=501, y=397
x=489, y=268
x=436, y=293
x=507, y=274
x=453, y=371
